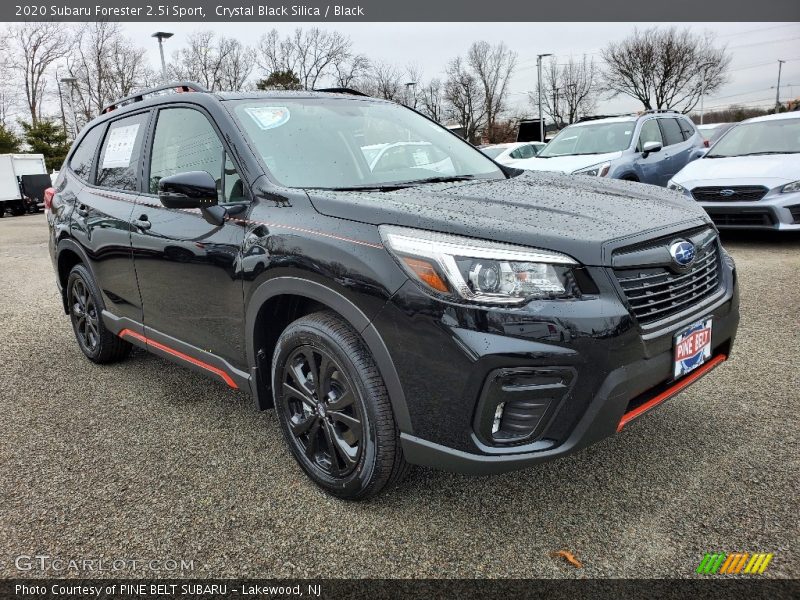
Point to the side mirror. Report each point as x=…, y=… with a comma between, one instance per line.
x=193, y=189
x=698, y=153
x=650, y=147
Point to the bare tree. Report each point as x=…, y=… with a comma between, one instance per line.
x=569, y=90
x=464, y=97
x=35, y=48
x=385, y=81
x=311, y=54
x=492, y=66
x=350, y=73
x=107, y=65
x=665, y=68
x=431, y=100
x=216, y=62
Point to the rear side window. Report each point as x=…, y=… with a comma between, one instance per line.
x=672, y=131
x=119, y=159
x=526, y=151
x=83, y=156
x=184, y=141
x=687, y=128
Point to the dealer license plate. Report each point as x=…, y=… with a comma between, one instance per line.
x=692, y=347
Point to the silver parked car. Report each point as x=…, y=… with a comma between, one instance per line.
x=750, y=178
x=650, y=148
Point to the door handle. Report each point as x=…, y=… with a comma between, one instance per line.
x=83, y=210
x=142, y=223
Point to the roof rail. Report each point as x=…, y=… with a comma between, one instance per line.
x=342, y=90
x=660, y=110
x=177, y=87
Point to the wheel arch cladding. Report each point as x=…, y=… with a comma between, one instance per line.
x=289, y=298
x=69, y=255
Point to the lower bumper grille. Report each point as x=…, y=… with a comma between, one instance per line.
x=736, y=193
x=795, y=212
x=758, y=218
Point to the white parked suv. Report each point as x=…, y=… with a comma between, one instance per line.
x=750, y=178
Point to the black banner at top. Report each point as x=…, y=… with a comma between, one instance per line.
x=400, y=10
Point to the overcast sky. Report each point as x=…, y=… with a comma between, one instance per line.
x=755, y=48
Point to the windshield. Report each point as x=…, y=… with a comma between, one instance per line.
x=494, y=151
x=342, y=143
x=597, y=138
x=761, y=137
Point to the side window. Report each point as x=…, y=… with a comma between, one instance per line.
x=672, y=131
x=233, y=187
x=122, y=147
x=526, y=151
x=83, y=157
x=184, y=141
x=686, y=127
x=649, y=133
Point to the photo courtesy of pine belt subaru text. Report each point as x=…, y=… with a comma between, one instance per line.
x=397, y=296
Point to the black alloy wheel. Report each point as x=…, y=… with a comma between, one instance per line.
x=85, y=311
x=333, y=408
x=324, y=418
x=84, y=316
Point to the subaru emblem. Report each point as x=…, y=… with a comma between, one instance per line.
x=682, y=252
x=727, y=192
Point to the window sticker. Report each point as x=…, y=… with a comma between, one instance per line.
x=268, y=117
x=119, y=148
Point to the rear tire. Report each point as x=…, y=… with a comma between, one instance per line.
x=334, y=409
x=85, y=311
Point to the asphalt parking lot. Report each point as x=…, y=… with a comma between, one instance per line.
x=147, y=460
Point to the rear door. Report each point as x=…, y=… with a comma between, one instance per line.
x=188, y=269
x=676, y=148
x=651, y=168
x=101, y=217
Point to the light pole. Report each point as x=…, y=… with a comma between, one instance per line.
x=778, y=91
x=539, y=58
x=71, y=81
x=705, y=68
x=162, y=35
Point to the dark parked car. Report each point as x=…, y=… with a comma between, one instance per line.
x=431, y=308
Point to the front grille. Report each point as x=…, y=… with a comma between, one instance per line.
x=795, y=212
x=760, y=218
x=655, y=293
x=735, y=193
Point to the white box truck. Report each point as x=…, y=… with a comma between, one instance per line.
x=23, y=179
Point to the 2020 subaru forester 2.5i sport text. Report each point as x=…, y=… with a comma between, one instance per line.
x=397, y=296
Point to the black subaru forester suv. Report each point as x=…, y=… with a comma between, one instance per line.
x=397, y=296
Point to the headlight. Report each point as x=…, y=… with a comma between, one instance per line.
x=480, y=270
x=791, y=187
x=677, y=187
x=600, y=170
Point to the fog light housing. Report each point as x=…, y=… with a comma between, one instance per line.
x=498, y=417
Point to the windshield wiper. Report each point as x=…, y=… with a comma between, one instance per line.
x=771, y=152
x=439, y=179
x=390, y=187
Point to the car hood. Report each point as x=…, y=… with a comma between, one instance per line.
x=573, y=215
x=771, y=170
x=566, y=164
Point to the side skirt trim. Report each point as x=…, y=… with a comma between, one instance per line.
x=150, y=343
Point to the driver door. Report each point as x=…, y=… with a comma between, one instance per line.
x=652, y=168
x=188, y=269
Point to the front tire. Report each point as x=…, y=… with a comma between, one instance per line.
x=85, y=310
x=334, y=410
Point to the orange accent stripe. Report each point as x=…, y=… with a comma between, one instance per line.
x=740, y=564
x=728, y=562
x=671, y=391
x=197, y=362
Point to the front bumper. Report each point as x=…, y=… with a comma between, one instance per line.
x=446, y=355
x=775, y=212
